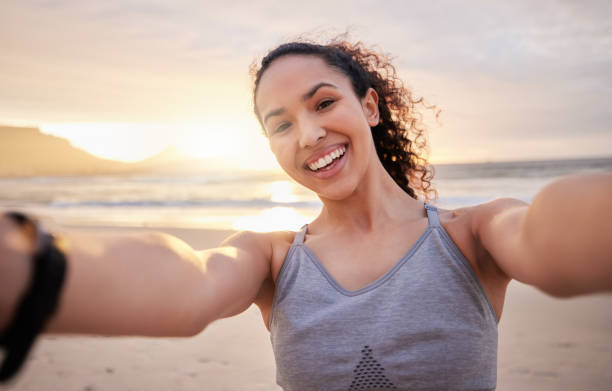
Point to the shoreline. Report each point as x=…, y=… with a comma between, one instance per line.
x=544, y=344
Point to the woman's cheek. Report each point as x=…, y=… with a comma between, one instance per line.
x=284, y=156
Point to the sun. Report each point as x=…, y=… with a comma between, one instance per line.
x=237, y=141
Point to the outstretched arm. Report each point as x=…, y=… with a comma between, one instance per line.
x=561, y=243
x=150, y=284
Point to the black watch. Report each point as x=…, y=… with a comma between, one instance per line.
x=38, y=303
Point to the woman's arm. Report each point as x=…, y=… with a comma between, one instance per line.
x=150, y=284
x=561, y=243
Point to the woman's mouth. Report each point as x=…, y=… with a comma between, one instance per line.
x=327, y=162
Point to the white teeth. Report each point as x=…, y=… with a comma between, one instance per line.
x=325, y=160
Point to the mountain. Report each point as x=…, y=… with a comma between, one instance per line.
x=28, y=152
x=172, y=160
x=170, y=155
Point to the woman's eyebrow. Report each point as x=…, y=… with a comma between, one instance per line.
x=314, y=89
x=305, y=97
x=273, y=113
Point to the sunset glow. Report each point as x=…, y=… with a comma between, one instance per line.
x=128, y=81
x=238, y=141
x=126, y=142
x=273, y=219
x=282, y=191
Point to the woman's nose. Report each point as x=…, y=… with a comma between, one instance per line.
x=310, y=134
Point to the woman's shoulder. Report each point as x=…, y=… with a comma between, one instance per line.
x=274, y=245
x=266, y=242
x=464, y=225
x=469, y=217
x=458, y=225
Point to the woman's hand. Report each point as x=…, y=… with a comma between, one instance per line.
x=561, y=243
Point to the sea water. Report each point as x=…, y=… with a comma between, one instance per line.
x=255, y=201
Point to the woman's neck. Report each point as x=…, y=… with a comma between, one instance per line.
x=377, y=201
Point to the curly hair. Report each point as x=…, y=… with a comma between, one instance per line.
x=399, y=137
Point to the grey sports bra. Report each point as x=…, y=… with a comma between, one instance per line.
x=426, y=324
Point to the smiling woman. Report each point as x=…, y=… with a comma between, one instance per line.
x=398, y=132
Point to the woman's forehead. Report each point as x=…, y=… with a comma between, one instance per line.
x=294, y=74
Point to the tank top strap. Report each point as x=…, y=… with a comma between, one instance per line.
x=432, y=215
x=300, y=235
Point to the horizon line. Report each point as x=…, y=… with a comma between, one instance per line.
x=23, y=125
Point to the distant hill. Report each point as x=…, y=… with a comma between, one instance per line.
x=170, y=155
x=172, y=160
x=28, y=152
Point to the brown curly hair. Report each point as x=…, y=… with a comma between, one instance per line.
x=399, y=137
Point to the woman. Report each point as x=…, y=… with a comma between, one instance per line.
x=381, y=290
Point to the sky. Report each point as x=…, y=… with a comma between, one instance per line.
x=123, y=79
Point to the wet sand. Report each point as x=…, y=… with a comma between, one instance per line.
x=544, y=344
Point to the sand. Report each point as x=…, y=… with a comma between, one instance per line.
x=544, y=344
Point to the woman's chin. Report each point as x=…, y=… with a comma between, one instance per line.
x=339, y=192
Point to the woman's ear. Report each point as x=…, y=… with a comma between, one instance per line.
x=370, y=107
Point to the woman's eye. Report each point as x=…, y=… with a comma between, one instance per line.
x=324, y=104
x=282, y=127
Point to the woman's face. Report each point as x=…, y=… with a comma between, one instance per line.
x=317, y=127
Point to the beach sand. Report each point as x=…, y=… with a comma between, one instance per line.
x=544, y=344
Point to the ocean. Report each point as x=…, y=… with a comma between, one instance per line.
x=255, y=201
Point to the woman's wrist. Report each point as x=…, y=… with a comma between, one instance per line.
x=17, y=245
x=39, y=301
